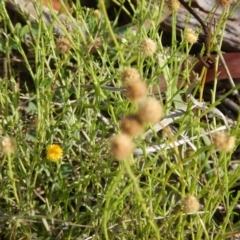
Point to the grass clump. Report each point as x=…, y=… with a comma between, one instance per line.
x=121, y=168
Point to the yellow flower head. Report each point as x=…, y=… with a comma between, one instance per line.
x=173, y=5
x=97, y=14
x=54, y=152
x=190, y=35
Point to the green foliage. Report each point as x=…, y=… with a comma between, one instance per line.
x=75, y=100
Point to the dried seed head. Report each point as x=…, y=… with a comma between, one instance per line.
x=223, y=141
x=148, y=47
x=189, y=152
x=190, y=36
x=8, y=145
x=173, y=5
x=150, y=110
x=63, y=45
x=121, y=146
x=130, y=75
x=131, y=125
x=224, y=3
x=136, y=90
x=68, y=26
x=190, y=204
x=97, y=14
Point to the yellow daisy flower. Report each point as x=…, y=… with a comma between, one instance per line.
x=54, y=152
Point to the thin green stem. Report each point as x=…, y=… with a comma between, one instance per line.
x=141, y=200
x=11, y=176
x=110, y=29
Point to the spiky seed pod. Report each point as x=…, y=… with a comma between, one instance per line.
x=63, y=45
x=190, y=204
x=148, y=47
x=121, y=146
x=131, y=125
x=173, y=5
x=223, y=141
x=136, y=90
x=130, y=75
x=150, y=110
x=8, y=145
x=190, y=36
